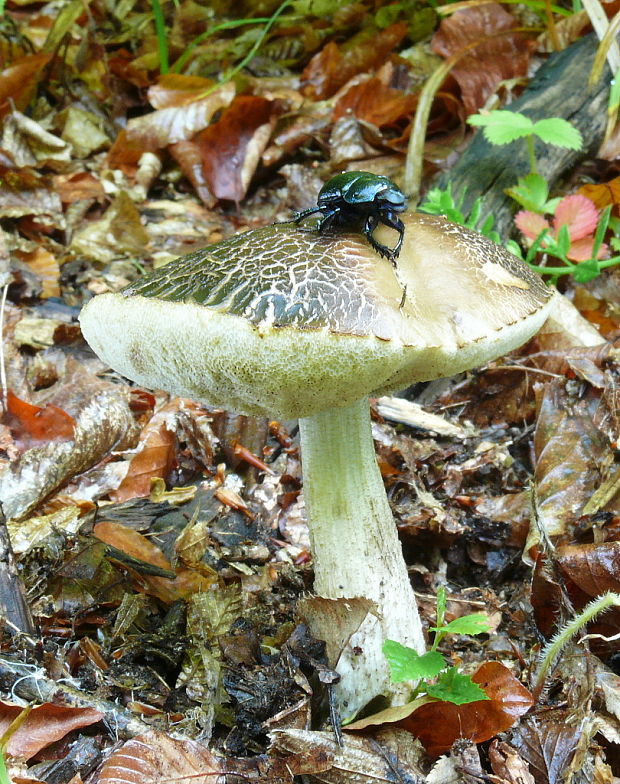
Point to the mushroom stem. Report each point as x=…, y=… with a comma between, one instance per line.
x=356, y=550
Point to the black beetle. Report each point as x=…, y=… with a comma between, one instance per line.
x=349, y=197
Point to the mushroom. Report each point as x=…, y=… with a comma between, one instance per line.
x=285, y=322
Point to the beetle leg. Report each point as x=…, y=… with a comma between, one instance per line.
x=304, y=214
x=372, y=221
x=391, y=219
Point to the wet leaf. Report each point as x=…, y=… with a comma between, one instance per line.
x=595, y=568
x=439, y=724
x=548, y=747
x=44, y=725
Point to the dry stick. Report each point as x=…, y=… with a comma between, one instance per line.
x=600, y=23
x=415, y=148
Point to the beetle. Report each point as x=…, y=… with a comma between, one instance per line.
x=350, y=197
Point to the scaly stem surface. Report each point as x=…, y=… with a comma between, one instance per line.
x=355, y=546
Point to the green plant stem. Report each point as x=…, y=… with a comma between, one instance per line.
x=178, y=64
x=162, y=39
x=415, y=149
x=554, y=648
x=230, y=74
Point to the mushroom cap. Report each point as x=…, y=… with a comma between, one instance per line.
x=284, y=321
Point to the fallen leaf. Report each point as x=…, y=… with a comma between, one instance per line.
x=44, y=725
x=157, y=757
x=32, y=425
x=494, y=60
x=439, y=724
x=547, y=746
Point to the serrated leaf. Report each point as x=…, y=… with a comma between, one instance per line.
x=559, y=132
x=476, y=623
x=407, y=665
x=503, y=126
x=456, y=688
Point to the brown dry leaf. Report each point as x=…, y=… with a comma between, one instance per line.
x=29, y=144
x=547, y=746
x=119, y=231
x=45, y=265
x=154, y=455
x=501, y=57
x=508, y=764
x=189, y=157
x=167, y=126
x=390, y=755
x=103, y=421
x=179, y=89
x=19, y=81
x=78, y=186
x=331, y=68
x=439, y=724
x=375, y=103
x=570, y=453
x=24, y=192
x=231, y=148
x=44, y=724
x=334, y=620
x=156, y=757
x=603, y=194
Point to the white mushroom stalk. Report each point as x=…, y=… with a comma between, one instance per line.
x=286, y=322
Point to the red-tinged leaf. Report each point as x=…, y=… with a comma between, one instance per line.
x=121, y=65
x=375, y=103
x=578, y=213
x=331, y=68
x=548, y=747
x=154, y=456
x=157, y=757
x=34, y=425
x=492, y=61
x=19, y=81
x=231, y=147
x=582, y=250
x=44, y=724
x=177, y=90
x=530, y=224
x=439, y=724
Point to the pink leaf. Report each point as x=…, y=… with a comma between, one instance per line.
x=578, y=213
x=581, y=250
x=530, y=224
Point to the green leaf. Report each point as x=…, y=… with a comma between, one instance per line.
x=601, y=229
x=458, y=689
x=476, y=623
x=441, y=605
x=502, y=127
x=586, y=270
x=514, y=248
x=558, y=132
x=407, y=665
x=531, y=192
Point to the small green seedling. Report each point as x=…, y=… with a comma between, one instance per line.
x=436, y=678
x=442, y=202
x=503, y=127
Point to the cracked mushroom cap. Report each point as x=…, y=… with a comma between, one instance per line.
x=282, y=321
